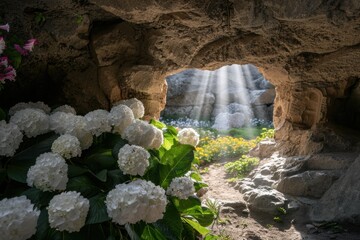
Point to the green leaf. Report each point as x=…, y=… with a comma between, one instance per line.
x=211, y=237
x=170, y=225
x=199, y=185
x=202, y=214
x=132, y=233
x=178, y=162
x=116, y=177
x=101, y=159
x=102, y=175
x=97, y=212
x=116, y=148
x=41, y=199
x=184, y=204
x=157, y=124
x=151, y=233
x=84, y=185
x=195, y=176
x=200, y=229
x=74, y=170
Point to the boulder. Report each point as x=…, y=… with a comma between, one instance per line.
x=262, y=97
x=264, y=199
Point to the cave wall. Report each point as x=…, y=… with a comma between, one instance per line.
x=92, y=53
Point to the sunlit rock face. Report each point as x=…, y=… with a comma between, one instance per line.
x=92, y=53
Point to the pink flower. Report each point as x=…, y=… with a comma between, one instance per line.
x=22, y=51
x=30, y=44
x=4, y=61
x=2, y=45
x=8, y=73
x=5, y=27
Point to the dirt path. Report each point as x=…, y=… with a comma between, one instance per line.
x=237, y=223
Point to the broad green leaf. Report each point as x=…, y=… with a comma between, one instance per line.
x=195, y=176
x=97, y=212
x=200, y=229
x=188, y=232
x=211, y=237
x=151, y=233
x=102, y=159
x=170, y=225
x=203, y=215
x=131, y=232
x=41, y=199
x=157, y=124
x=183, y=204
x=178, y=162
x=152, y=172
x=116, y=177
x=74, y=170
x=84, y=185
x=102, y=175
x=199, y=185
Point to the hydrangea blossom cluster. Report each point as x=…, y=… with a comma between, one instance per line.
x=133, y=160
x=136, y=106
x=120, y=117
x=10, y=138
x=144, y=134
x=35, y=105
x=188, y=136
x=98, y=122
x=136, y=201
x=68, y=211
x=68, y=123
x=65, y=108
x=68, y=146
x=31, y=121
x=18, y=218
x=49, y=173
x=181, y=187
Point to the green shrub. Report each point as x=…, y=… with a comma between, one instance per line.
x=240, y=168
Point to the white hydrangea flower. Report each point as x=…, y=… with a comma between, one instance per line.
x=136, y=106
x=120, y=117
x=136, y=201
x=98, y=122
x=10, y=138
x=62, y=123
x=37, y=105
x=144, y=134
x=188, y=136
x=133, y=160
x=181, y=187
x=49, y=173
x=18, y=218
x=68, y=146
x=32, y=122
x=65, y=108
x=68, y=211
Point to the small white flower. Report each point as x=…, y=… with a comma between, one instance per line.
x=49, y=173
x=136, y=106
x=10, y=138
x=62, y=123
x=98, y=122
x=133, y=160
x=68, y=211
x=37, y=105
x=31, y=121
x=120, y=117
x=65, y=109
x=188, y=136
x=181, y=187
x=136, y=201
x=68, y=146
x=18, y=218
x=144, y=134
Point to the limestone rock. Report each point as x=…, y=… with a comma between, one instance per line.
x=342, y=201
x=262, y=97
x=264, y=200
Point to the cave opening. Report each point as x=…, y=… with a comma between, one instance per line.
x=233, y=96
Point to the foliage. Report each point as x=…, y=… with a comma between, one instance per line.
x=223, y=147
x=247, y=133
x=96, y=173
x=266, y=133
x=240, y=168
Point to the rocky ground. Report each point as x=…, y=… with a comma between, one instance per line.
x=236, y=221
